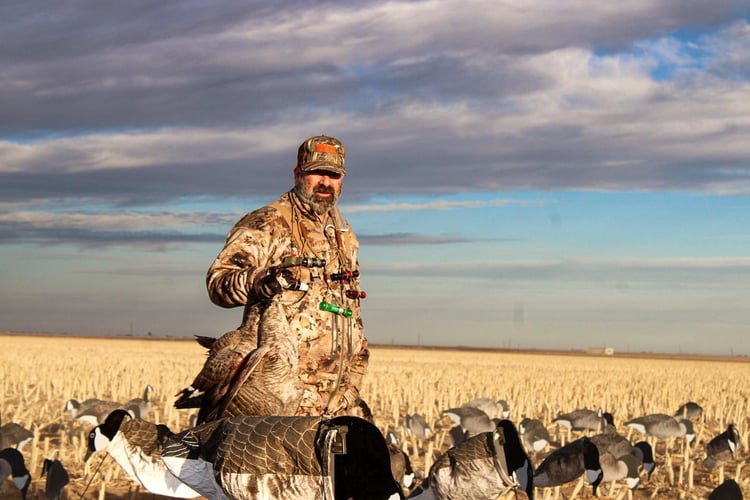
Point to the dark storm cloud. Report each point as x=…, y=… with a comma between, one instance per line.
x=132, y=103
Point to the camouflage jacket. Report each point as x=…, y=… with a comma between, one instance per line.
x=261, y=239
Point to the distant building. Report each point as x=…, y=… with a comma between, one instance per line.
x=601, y=351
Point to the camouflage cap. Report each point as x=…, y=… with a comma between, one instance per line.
x=321, y=152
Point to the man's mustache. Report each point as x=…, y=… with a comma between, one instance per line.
x=323, y=189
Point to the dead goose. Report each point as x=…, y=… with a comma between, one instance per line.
x=239, y=378
x=277, y=457
x=12, y=464
x=567, y=463
x=136, y=446
x=483, y=467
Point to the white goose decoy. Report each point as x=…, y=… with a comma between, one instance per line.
x=136, y=446
x=662, y=426
x=140, y=407
x=568, y=462
x=57, y=478
x=280, y=457
x=483, y=467
x=722, y=448
x=244, y=375
x=534, y=434
x=584, y=419
x=12, y=464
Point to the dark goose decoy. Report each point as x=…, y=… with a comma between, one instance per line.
x=617, y=445
x=494, y=409
x=616, y=468
x=14, y=435
x=689, y=410
x=417, y=426
x=136, y=446
x=722, y=447
x=12, y=464
x=568, y=462
x=92, y=411
x=240, y=378
x=728, y=490
x=534, y=434
x=662, y=426
x=483, y=467
x=584, y=419
x=280, y=457
x=140, y=407
x=472, y=420
x=57, y=478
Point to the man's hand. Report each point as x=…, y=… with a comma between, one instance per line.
x=272, y=282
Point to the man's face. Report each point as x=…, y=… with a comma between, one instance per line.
x=320, y=188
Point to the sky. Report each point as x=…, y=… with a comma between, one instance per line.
x=524, y=173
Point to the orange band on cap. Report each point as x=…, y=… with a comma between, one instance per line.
x=326, y=148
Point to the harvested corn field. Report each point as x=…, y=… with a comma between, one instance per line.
x=39, y=375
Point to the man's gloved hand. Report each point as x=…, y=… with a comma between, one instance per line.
x=272, y=282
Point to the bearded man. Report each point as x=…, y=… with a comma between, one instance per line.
x=301, y=251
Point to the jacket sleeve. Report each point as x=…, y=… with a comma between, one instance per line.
x=252, y=245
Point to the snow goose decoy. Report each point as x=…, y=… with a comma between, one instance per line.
x=13, y=464
x=584, y=419
x=567, y=463
x=57, y=478
x=722, y=447
x=244, y=375
x=140, y=407
x=535, y=435
x=485, y=466
x=279, y=457
x=13, y=435
x=136, y=446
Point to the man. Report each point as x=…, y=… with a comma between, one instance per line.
x=301, y=250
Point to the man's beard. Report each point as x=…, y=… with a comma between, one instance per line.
x=317, y=204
